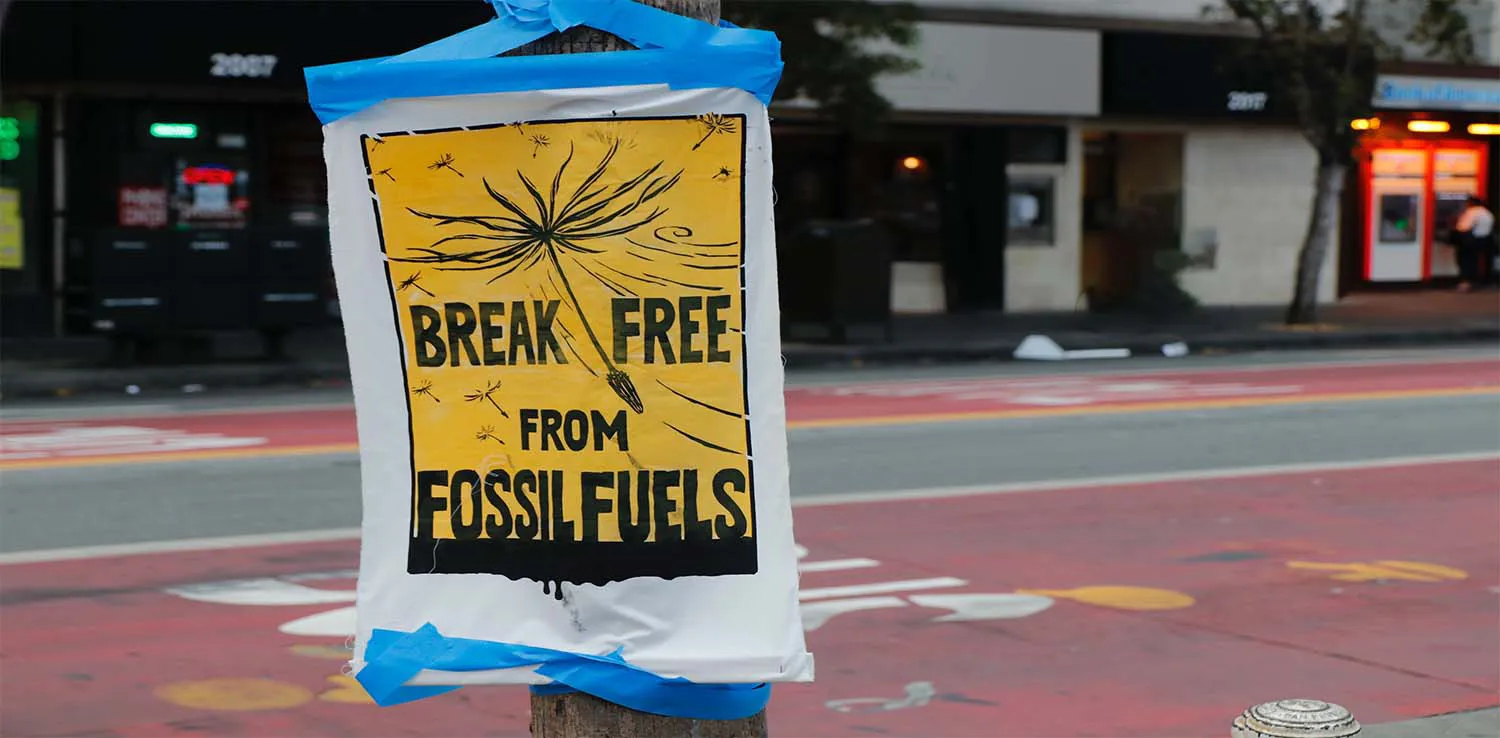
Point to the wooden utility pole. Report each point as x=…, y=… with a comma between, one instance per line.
x=579, y=715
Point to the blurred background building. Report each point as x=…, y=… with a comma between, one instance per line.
x=171, y=174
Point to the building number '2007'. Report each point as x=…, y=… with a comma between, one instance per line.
x=241, y=65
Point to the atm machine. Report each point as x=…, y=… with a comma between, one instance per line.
x=1396, y=215
x=1414, y=193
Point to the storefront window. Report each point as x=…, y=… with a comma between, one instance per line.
x=20, y=190
x=1038, y=145
x=23, y=250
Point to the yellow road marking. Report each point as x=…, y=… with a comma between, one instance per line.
x=235, y=453
x=879, y=420
x=1415, y=571
x=1119, y=597
x=346, y=689
x=235, y=694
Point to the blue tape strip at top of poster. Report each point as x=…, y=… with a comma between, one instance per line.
x=679, y=52
x=392, y=658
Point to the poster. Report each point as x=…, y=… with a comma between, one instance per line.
x=12, y=241
x=570, y=298
x=558, y=283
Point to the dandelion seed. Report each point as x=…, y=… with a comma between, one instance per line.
x=445, y=162
x=487, y=394
x=411, y=283
x=724, y=173
x=487, y=433
x=539, y=142
x=387, y=174
x=425, y=389
x=713, y=125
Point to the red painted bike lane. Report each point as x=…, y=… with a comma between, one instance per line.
x=1043, y=393
x=1143, y=610
x=44, y=444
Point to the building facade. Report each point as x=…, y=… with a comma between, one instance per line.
x=1040, y=159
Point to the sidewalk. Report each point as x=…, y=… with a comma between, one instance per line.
x=1477, y=724
x=81, y=365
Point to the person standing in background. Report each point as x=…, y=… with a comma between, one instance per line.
x=1474, y=244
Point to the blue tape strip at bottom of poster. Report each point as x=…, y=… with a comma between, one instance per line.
x=392, y=658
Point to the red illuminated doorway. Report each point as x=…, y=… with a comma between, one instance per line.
x=1411, y=191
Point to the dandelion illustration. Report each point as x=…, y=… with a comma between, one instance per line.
x=539, y=142
x=376, y=141
x=387, y=174
x=487, y=433
x=410, y=283
x=487, y=394
x=554, y=226
x=425, y=389
x=713, y=125
x=445, y=162
x=724, y=173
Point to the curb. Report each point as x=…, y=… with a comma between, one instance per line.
x=178, y=380
x=862, y=356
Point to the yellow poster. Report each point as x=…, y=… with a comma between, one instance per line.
x=570, y=303
x=12, y=244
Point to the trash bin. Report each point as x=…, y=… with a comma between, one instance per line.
x=836, y=274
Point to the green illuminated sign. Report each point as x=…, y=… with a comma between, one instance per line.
x=10, y=134
x=174, y=130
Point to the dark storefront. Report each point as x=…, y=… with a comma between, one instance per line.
x=170, y=177
x=937, y=192
x=1155, y=89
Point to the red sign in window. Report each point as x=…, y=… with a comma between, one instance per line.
x=207, y=176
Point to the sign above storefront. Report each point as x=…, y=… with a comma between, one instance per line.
x=1165, y=75
x=1393, y=91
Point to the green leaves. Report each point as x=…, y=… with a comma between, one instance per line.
x=1326, y=63
x=835, y=49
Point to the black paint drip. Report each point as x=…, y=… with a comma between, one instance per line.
x=548, y=588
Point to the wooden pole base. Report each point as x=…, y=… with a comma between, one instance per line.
x=578, y=715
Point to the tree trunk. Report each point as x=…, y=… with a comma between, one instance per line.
x=579, y=715
x=1327, y=198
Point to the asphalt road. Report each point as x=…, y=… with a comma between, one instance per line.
x=1188, y=538
x=242, y=496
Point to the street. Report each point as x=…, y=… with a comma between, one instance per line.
x=1140, y=548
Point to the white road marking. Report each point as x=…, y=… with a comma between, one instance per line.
x=338, y=623
x=813, y=567
x=265, y=591
x=852, y=498
x=855, y=590
x=65, y=440
x=966, y=607
x=817, y=614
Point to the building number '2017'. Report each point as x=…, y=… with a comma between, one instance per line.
x=241, y=65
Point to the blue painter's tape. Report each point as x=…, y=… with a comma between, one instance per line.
x=679, y=52
x=392, y=658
